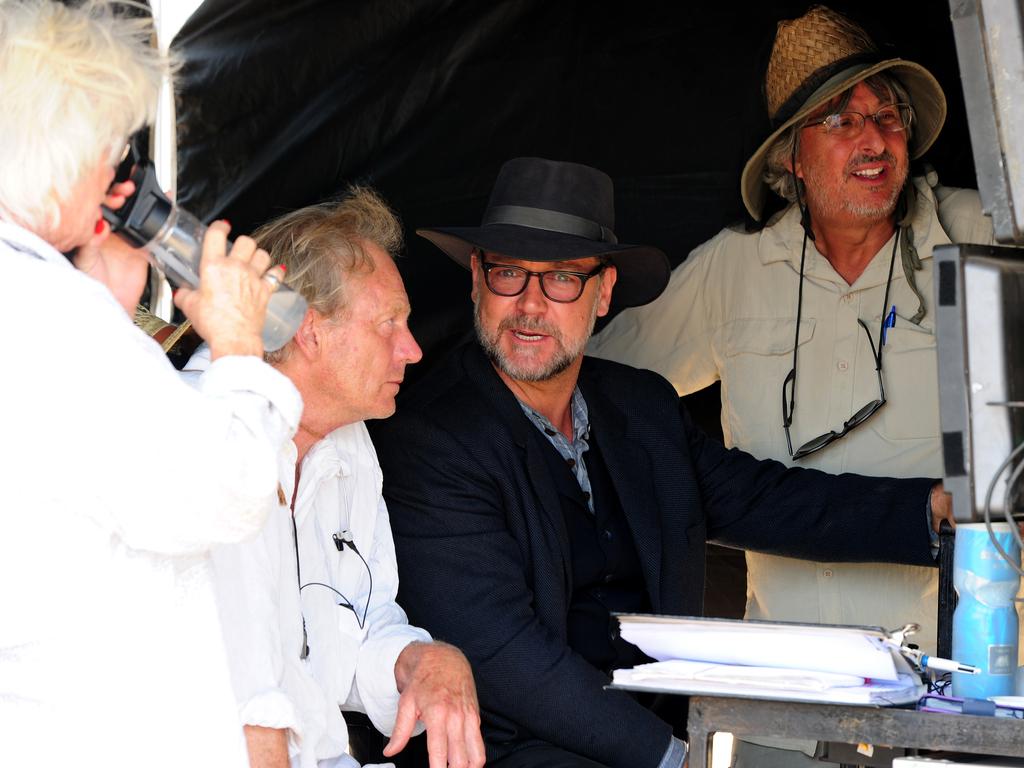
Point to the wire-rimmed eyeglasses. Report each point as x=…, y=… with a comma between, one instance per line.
x=891, y=118
x=863, y=414
x=561, y=285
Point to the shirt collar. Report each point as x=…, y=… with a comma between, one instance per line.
x=782, y=240
x=20, y=239
x=580, y=417
x=344, y=452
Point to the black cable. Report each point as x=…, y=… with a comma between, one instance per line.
x=987, y=507
x=340, y=543
x=304, y=652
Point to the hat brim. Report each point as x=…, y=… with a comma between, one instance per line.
x=925, y=94
x=643, y=271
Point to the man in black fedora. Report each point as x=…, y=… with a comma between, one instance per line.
x=534, y=491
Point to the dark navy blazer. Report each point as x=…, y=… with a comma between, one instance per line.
x=483, y=552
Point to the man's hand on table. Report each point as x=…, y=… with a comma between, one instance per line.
x=436, y=686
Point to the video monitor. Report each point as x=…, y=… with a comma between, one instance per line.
x=979, y=325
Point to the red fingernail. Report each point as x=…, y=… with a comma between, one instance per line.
x=99, y=226
x=283, y=268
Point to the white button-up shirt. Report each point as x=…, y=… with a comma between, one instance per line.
x=351, y=663
x=115, y=479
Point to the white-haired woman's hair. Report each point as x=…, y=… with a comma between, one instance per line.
x=75, y=82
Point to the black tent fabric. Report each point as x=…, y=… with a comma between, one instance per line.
x=285, y=104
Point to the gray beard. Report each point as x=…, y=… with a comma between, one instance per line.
x=561, y=361
x=831, y=205
x=877, y=211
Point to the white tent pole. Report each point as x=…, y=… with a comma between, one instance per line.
x=169, y=16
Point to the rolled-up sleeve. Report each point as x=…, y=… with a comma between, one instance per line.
x=207, y=473
x=248, y=580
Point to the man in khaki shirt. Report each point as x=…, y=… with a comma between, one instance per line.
x=847, y=122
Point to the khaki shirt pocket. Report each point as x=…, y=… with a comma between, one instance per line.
x=757, y=353
x=910, y=377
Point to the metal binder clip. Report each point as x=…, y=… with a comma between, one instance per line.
x=899, y=636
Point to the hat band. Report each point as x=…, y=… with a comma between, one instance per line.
x=814, y=82
x=551, y=221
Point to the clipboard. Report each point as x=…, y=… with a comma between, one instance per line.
x=769, y=660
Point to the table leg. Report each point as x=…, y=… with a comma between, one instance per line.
x=700, y=747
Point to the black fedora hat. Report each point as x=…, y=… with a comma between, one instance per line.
x=546, y=210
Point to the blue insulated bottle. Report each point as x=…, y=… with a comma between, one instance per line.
x=985, y=620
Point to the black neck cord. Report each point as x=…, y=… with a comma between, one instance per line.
x=805, y=222
x=340, y=543
x=348, y=603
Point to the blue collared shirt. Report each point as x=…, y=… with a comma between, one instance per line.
x=570, y=450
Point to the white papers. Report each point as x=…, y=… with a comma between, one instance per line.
x=852, y=665
x=853, y=651
x=755, y=677
x=693, y=677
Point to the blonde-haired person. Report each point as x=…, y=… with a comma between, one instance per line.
x=336, y=637
x=110, y=650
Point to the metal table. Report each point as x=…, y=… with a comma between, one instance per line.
x=851, y=725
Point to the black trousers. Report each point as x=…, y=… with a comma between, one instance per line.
x=672, y=709
x=545, y=755
x=367, y=744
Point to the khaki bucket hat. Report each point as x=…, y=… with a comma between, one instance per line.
x=815, y=58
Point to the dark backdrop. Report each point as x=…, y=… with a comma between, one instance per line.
x=283, y=104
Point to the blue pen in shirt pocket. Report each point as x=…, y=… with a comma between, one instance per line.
x=890, y=322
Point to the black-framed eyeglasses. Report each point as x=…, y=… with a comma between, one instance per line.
x=863, y=414
x=559, y=285
x=891, y=118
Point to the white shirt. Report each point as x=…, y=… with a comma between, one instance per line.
x=116, y=478
x=339, y=492
x=353, y=667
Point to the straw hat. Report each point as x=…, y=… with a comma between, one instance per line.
x=815, y=58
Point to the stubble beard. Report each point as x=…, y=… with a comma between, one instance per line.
x=833, y=202
x=564, y=356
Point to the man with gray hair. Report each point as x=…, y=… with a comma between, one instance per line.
x=843, y=276
x=308, y=608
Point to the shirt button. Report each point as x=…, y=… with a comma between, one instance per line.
x=571, y=462
x=607, y=535
x=586, y=495
x=827, y=573
x=608, y=578
x=842, y=365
